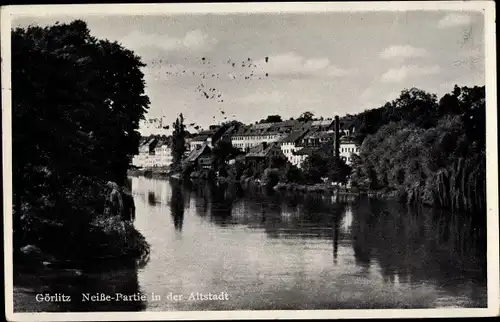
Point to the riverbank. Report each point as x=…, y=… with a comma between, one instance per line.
x=203, y=177
x=50, y=240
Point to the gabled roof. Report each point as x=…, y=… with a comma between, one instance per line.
x=261, y=150
x=322, y=123
x=294, y=136
x=307, y=151
x=323, y=134
x=195, y=154
x=161, y=142
x=200, y=138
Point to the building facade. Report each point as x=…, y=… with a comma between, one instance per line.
x=290, y=145
x=253, y=135
x=347, y=148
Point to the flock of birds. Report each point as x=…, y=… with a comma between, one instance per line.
x=245, y=70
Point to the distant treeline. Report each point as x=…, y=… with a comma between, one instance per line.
x=426, y=150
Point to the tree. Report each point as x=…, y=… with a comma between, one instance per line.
x=272, y=119
x=316, y=166
x=293, y=174
x=178, y=140
x=306, y=117
x=77, y=102
x=339, y=171
x=96, y=103
x=222, y=151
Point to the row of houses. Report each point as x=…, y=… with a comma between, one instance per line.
x=153, y=152
x=291, y=139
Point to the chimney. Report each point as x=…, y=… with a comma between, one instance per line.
x=337, y=138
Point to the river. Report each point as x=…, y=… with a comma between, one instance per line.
x=263, y=251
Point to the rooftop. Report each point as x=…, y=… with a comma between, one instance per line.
x=200, y=138
x=294, y=136
x=260, y=150
x=322, y=123
x=307, y=151
x=195, y=154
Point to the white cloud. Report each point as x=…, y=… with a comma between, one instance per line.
x=402, y=51
x=294, y=64
x=454, y=20
x=408, y=71
x=192, y=40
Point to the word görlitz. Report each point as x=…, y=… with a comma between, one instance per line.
x=57, y=297
x=101, y=297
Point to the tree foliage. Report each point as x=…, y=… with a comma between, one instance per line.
x=76, y=106
x=272, y=119
x=178, y=140
x=433, y=153
x=306, y=117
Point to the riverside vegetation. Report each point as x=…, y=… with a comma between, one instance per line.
x=72, y=131
x=416, y=148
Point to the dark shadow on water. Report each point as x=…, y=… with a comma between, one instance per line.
x=151, y=198
x=177, y=206
x=419, y=244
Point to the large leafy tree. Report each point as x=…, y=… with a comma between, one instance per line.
x=306, y=117
x=77, y=101
x=429, y=152
x=76, y=106
x=316, y=167
x=272, y=119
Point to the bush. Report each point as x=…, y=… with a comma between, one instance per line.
x=113, y=238
x=271, y=177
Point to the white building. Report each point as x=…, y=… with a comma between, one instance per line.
x=153, y=153
x=163, y=154
x=143, y=159
x=290, y=146
x=347, y=148
x=197, y=142
x=208, y=137
x=250, y=136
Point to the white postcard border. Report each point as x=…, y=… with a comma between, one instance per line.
x=488, y=7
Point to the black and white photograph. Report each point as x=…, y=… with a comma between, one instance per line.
x=250, y=160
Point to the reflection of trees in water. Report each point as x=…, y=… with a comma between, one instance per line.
x=151, y=198
x=221, y=204
x=336, y=223
x=177, y=205
x=67, y=282
x=280, y=215
x=418, y=244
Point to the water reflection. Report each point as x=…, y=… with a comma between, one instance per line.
x=151, y=198
x=300, y=251
x=177, y=204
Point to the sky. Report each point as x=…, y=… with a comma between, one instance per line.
x=330, y=63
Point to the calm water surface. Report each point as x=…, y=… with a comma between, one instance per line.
x=285, y=252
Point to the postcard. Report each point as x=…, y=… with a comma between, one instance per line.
x=250, y=160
